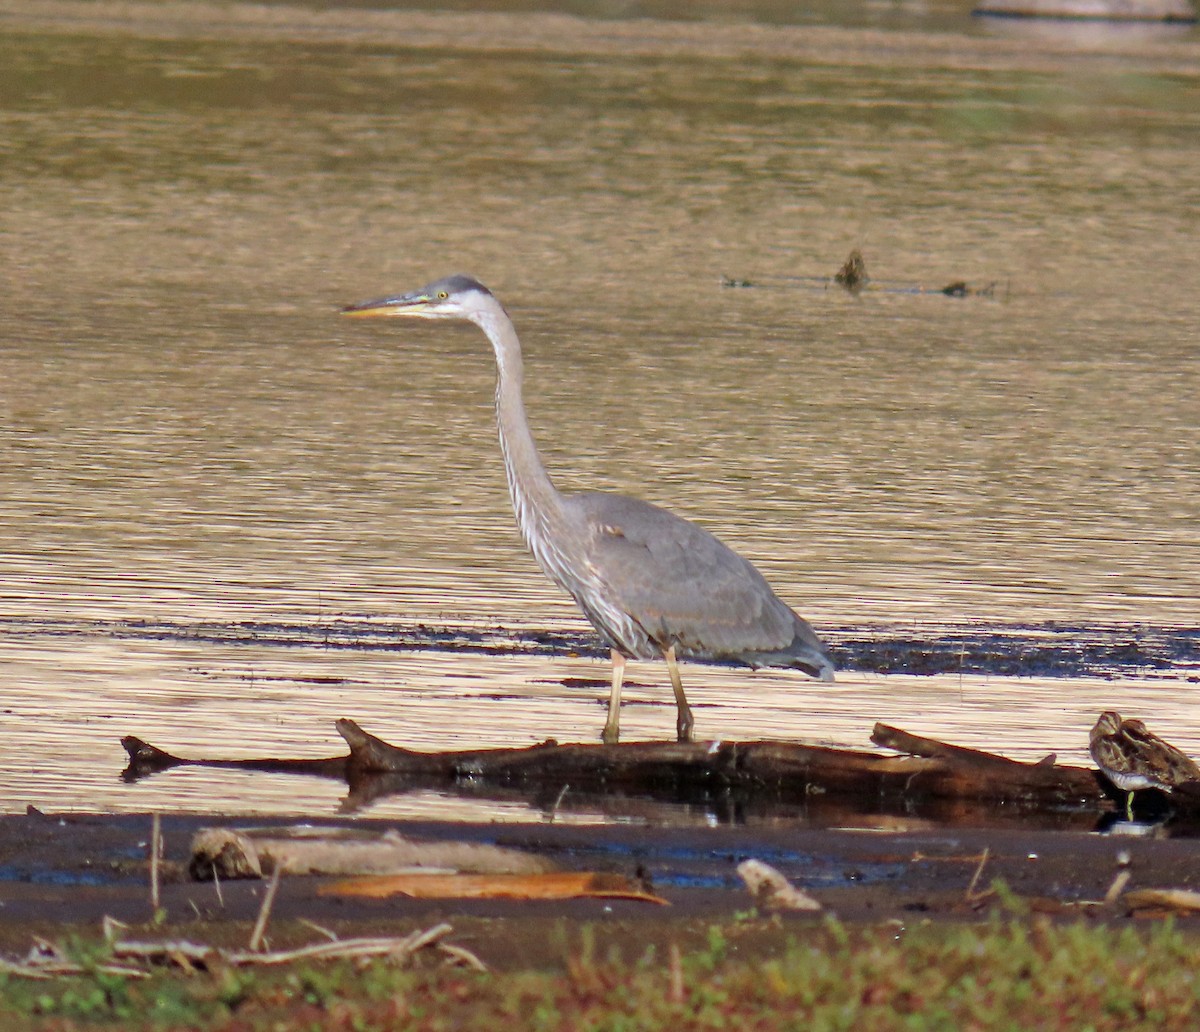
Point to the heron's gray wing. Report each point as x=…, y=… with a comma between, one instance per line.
x=680, y=583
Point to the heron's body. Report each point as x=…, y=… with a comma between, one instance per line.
x=653, y=584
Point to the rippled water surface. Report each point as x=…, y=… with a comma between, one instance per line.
x=189, y=434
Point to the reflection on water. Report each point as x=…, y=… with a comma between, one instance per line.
x=190, y=434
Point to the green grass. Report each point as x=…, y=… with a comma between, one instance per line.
x=1009, y=973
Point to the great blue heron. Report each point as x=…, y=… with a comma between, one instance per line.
x=653, y=584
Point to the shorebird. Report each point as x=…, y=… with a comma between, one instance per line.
x=1133, y=758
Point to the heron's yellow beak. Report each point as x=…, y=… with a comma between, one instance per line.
x=401, y=304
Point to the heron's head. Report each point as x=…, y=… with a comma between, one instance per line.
x=455, y=297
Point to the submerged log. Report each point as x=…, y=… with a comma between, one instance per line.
x=691, y=771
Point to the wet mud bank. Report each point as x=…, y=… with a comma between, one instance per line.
x=65, y=873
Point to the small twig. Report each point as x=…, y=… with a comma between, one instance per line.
x=329, y=934
x=110, y=926
x=675, y=993
x=1117, y=887
x=462, y=955
x=217, y=886
x=155, y=846
x=9, y=967
x=46, y=960
x=419, y=940
x=264, y=912
x=558, y=800
x=181, y=961
x=400, y=949
x=52, y=965
x=1121, y=879
x=971, y=894
x=194, y=953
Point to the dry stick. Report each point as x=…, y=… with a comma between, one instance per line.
x=675, y=972
x=217, y=886
x=1120, y=880
x=155, y=841
x=67, y=970
x=400, y=949
x=418, y=940
x=199, y=953
x=264, y=912
x=1117, y=887
x=329, y=934
x=175, y=951
x=558, y=801
x=462, y=955
x=983, y=859
x=46, y=960
x=110, y=927
x=22, y=970
x=189, y=955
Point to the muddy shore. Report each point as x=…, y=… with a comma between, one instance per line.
x=62, y=874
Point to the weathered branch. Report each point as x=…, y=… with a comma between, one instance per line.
x=692, y=770
x=145, y=759
x=941, y=770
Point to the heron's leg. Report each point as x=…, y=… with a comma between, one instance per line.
x=683, y=712
x=1129, y=806
x=612, y=728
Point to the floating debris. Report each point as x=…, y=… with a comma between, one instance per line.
x=853, y=275
x=548, y=885
x=305, y=850
x=959, y=288
x=1180, y=901
x=771, y=889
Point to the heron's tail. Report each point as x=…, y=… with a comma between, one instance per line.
x=807, y=652
x=821, y=667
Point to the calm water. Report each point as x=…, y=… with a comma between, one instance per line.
x=189, y=435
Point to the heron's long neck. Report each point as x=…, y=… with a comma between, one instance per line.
x=535, y=499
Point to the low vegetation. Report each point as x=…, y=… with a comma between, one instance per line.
x=1010, y=972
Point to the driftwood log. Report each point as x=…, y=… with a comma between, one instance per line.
x=690, y=772
x=304, y=849
x=931, y=768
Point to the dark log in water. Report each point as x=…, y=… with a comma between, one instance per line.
x=146, y=759
x=690, y=771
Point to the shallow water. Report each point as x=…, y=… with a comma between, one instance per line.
x=191, y=435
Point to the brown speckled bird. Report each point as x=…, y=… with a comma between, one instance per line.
x=1133, y=758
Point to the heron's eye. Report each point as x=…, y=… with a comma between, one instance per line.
x=442, y=295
